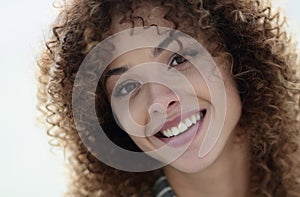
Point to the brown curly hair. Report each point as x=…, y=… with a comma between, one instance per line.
x=264, y=66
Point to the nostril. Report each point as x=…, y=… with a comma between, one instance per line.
x=172, y=103
x=157, y=107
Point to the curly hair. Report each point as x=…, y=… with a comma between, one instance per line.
x=264, y=66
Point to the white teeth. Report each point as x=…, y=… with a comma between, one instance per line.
x=198, y=117
x=170, y=133
x=188, y=122
x=201, y=114
x=182, y=126
x=175, y=131
x=165, y=133
x=193, y=118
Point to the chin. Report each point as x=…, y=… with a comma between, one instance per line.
x=191, y=167
x=189, y=162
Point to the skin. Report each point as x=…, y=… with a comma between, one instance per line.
x=224, y=170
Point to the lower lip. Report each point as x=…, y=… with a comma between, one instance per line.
x=185, y=137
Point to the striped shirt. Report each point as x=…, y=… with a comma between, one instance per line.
x=162, y=188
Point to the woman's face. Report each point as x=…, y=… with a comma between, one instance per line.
x=186, y=112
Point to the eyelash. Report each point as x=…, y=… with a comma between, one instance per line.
x=181, y=65
x=187, y=53
x=175, y=57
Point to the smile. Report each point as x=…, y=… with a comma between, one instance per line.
x=183, y=126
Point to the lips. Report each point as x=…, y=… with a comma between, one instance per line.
x=178, y=125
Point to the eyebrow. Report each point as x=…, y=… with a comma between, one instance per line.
x=115, y=71
x=162, y=46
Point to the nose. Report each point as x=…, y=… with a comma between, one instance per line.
x=161, y=99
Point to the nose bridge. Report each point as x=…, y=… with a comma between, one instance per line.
x=160, y=95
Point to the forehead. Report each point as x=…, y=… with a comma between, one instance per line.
x=153, y=14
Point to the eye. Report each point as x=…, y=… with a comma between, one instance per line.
x=177, y=60
x=126, y=88
x=182, y=62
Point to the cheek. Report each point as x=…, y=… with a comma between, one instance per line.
x=233, y=105
x=132, y=115
x=199, y=85
x=142, y=143
x=137, y=110
x=231, y=88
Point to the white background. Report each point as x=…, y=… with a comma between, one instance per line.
x=27, y=167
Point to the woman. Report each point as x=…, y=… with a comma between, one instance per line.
x=254, y=152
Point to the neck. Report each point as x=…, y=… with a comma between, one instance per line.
x=227, y=176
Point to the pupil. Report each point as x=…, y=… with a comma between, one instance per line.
x=130, y=87
x=180, y=59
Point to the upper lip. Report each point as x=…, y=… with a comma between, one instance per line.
x=172, y=122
